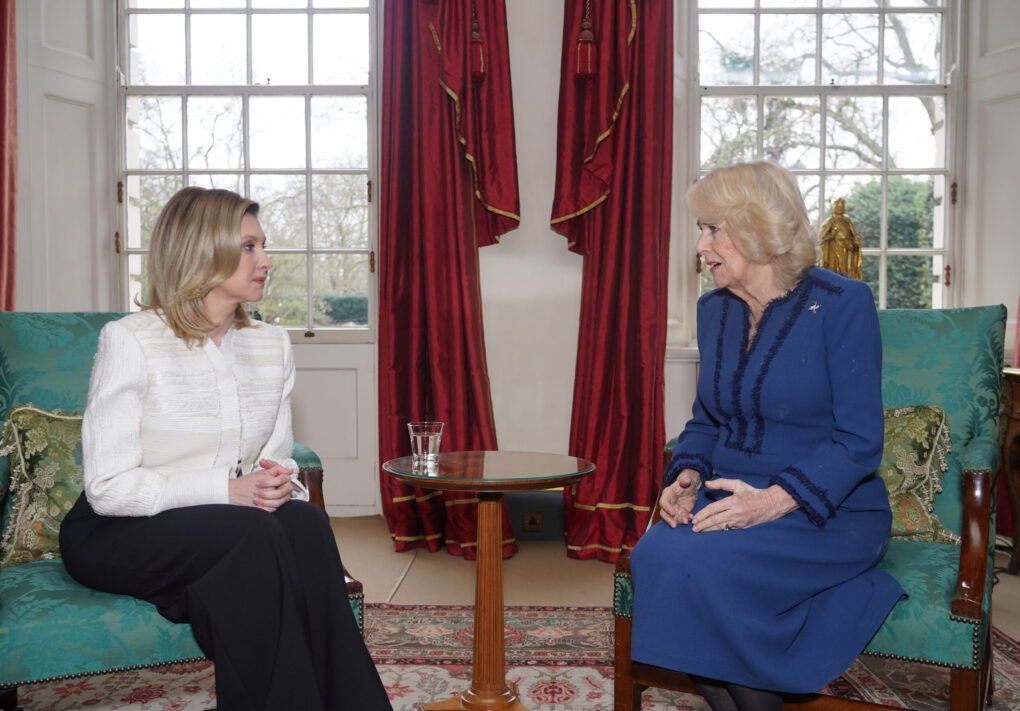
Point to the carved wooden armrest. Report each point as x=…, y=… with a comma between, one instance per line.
x=973, y=573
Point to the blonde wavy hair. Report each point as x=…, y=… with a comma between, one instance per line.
x=764, y=214
x=195, y=247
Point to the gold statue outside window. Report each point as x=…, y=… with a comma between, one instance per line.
x=841, y=246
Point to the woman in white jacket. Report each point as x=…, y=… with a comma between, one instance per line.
x=191, y=497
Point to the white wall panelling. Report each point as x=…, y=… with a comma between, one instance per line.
x=991, y=257
x=66, y=203
x=335, y=413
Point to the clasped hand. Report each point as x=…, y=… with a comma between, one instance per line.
x=268, y=488
x=746, y=506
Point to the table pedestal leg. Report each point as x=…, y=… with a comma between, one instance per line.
x=489, y=690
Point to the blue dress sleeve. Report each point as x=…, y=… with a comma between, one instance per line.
x=698, y=440
x=824, y=476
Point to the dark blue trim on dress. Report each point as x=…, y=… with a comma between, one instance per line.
x=736, y=439
x=814, y=518
x=812, y=488
x=683, y=461
x=784, y=331
x=716, y=395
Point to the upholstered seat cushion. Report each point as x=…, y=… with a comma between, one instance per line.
x=922, y=627
x=42, y=608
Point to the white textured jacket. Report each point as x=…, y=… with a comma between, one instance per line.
x=167, y=426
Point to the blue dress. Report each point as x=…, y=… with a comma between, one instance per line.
x=789, y=604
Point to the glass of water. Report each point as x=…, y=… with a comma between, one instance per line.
x=425, y=438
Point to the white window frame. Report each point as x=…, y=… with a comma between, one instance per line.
x=299, y=334
x=688, y=166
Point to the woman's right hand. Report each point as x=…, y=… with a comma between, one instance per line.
x=267, y=489
x=678, y=499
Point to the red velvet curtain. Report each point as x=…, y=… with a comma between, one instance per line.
x=8, y=153
x=448, y=186
x=612, y=202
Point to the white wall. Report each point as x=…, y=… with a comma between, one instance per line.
x=990, y=187
x=531, y=283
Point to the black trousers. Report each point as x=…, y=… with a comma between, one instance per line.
x=264, y=594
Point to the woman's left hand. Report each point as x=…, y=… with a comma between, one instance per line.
x=274, y=487
x=747, y=506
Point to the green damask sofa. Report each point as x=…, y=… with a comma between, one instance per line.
x=952, y=359
x=50, y=626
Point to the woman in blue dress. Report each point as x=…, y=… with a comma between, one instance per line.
x=761, y=578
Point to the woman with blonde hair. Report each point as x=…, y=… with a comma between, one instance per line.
x=191, y=497
x=761, y=577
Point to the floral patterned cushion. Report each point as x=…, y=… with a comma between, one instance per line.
x=44, y=451
x=917, y=443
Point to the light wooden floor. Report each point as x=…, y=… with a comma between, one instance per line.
x=540, y=574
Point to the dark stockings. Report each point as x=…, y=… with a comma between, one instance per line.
x=723, y=696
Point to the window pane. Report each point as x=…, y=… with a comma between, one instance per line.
x=281, y=201
x=791, y=133
x=279, y=49
x=850, y=49
x=788, y=49
x=340, y=211
x=277, y=132
x=340, y=284
x=871, y=264
x=216, y=4
x=912, y=48
x=157, y=49
x=809, y=185
x=728, y=130
x=912, y=207
x=909, y=281
x=340, y=132
x=215, y=129
x=851, y=3
x=726, y=49
x=340, y=3
x=853, y=134
x=917, y=132
x=725, y=4
x=285, y=302
x=220, y=181
x=146, y=196
x=340, y=49
x=153, y=132
x=914, y=3
x=788, y=3
x=156, y=4
x=219, y=49
x=138, y=279
x=282, y=4
x=863, y=196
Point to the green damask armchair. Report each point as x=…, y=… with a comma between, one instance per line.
x=952, y=359
x=50, y=626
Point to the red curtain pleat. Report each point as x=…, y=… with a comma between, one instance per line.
x=8, y=154
x=448, y=186
x=612, y=202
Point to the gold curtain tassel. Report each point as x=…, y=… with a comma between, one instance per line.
x=477, y=48
x=587, y=59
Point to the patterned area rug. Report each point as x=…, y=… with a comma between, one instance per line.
x=560, y=658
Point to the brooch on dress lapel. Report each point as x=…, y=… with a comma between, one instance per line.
x=813, y=308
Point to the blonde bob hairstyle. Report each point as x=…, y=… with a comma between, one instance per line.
x=761, y=207
x=195, y=247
